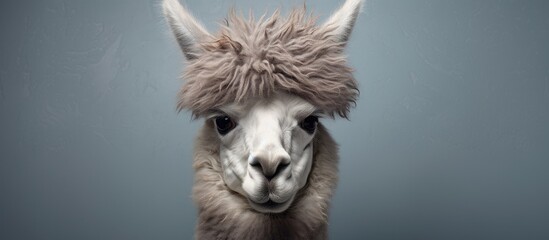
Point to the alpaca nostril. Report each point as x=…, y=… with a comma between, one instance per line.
x=255, y=163
x=283, y=165
x=270, y=168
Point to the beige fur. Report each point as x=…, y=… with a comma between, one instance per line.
x=254, y=59
x=224, y=214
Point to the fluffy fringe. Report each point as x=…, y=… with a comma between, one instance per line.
x=253, y=59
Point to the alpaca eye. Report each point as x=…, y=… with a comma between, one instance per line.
x=309, y=124
x=224, y=124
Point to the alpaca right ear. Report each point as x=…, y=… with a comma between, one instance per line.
x=188, y=31
x=341, y=22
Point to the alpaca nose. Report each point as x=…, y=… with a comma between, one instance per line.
x=270, y=166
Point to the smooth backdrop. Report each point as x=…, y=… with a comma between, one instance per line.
x=449, y=140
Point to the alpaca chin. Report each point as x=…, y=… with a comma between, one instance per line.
x=271, y=206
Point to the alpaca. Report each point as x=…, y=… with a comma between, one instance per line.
x=265, y=167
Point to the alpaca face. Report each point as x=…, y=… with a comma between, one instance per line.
x=266, y=149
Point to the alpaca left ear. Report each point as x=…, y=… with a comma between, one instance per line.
x=342, y=21
x=187, y=30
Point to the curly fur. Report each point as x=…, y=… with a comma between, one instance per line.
x=251, y=59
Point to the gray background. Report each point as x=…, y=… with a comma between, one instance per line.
x=450, y=138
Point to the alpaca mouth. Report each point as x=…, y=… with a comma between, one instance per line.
x=270, y=206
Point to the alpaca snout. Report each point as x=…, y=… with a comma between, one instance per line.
x=270, y=165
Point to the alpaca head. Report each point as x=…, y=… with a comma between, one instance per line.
x=262, y=87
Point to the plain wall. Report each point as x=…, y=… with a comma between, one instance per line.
x=449, y=140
